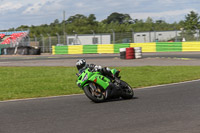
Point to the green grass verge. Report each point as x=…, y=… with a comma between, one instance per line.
x=29, y=82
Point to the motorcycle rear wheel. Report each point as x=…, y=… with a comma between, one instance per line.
x=95, y=97
x=127, y=91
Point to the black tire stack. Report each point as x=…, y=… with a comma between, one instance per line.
x=122, y=53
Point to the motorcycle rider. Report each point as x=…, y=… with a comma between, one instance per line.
x=82, y=65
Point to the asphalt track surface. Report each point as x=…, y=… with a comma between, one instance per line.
x=189, y=55
x=163, y=109
x=149, y=59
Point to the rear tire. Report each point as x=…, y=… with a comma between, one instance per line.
x=127, y=91
x=91, y=95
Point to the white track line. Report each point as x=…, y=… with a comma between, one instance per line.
x=39, y=98
x=144, y=88
x=156, y=86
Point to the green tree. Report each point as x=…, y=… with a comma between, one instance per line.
x=23, y=27
x=192, y=21
x=77, y=17
x=120, y=23
x=149, y=20
x=119, y=18
x=56, y=22
x=92, y=19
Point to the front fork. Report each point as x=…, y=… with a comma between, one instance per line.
x=96, y=91
x=93, y=87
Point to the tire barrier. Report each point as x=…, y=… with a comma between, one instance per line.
x=138, y=52
x=122, y=53
x=131, y=53
x=22, y=50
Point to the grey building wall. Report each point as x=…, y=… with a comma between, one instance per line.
x=88, y=39
x=142, y=37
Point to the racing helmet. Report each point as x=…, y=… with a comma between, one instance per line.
x=80, y=64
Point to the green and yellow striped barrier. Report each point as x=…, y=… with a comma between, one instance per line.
x=190, y=46
x=169, y=47
x=75, y=49
x=118, y=46
x=90, y=49
x=114, y=48
x=146, y=47
x=105, y=48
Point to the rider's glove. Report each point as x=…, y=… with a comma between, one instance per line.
x=97, y=68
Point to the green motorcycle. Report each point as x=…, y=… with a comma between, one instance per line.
x=99, y=88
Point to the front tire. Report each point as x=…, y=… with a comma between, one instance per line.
x=127, y=91
x=97, y=98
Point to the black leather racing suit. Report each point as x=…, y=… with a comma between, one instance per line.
x=103, y=70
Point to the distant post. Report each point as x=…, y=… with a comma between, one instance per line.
x=93, y=42
x=58, y=36
x=133, y=39
x=113, y=36
x=197, y=30
x=42, y=42
x=64, y=27
x=35, y=40
x=49, y=42
x=154, y=34
x=176, y=34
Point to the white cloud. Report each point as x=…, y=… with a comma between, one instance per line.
x=36, y=7
x=79, y=4
x=33, y=9
x=9, y=6
x=163, y=15
x=166, y=1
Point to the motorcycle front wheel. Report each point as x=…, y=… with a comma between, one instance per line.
x=95, y=96
x=127, y=91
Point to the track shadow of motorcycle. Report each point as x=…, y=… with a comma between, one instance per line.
x=115, y=100
x=120, y=99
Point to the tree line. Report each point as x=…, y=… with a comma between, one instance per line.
x=119, y=22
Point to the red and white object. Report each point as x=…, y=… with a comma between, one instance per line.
x=131, y=53
x=138, y=52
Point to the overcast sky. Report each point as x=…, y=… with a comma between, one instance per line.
x=14, y=13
